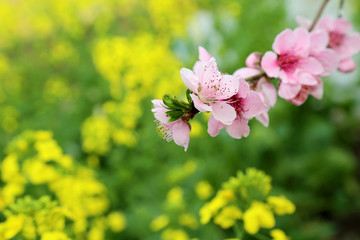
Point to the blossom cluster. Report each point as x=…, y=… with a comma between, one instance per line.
x=78, y=204
x=300, y=58
x=245, y=200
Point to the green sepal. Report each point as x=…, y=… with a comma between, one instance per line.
x=188, y=92
x=174, y=115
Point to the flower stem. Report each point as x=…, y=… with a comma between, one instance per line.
x=318, y=15
x=239, y=232
x=261, y=236
x=341, y=5
x=255, y=77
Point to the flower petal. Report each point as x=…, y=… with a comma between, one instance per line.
x=313, y=66
x=347, y=65
x=317, y=91
x=223, y=112
x=288, y=91
x=181, y=134
x=253, y=105
x=253, y=59
x=307, y=79
x=319, y=40
x=204, y=55
x=302, y=44
x=239, y=128
x=214, y=126
x=342, y=26
x=246, y=72
x=284, y=41
x=270, y=65
x=328, y=59
x=228, y=87
x=200, y=105
x=270, y=94
x=190, y=80
x=263, y=119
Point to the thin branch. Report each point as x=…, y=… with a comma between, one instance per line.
x=255, y=77
x=341, y=7
x=318, y=15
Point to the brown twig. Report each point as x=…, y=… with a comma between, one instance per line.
x=318, y=15
x=341, y=6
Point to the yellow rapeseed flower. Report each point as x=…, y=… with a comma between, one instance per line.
x=204, y=190
x=258, y=216
x=281, y=205
x=228, y=216
x=174, y=234
x=159, y=223
x=278, y=234
x=116, y=221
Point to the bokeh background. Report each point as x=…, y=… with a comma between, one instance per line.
x=76, y=80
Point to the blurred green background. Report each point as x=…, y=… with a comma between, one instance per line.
x=86, y=70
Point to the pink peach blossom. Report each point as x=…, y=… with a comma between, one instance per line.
x=179, y=131
x=315, y=90
x=291, y=62
x=247, y=104
x=264, y=88
x=211, y=88
x=341, y=39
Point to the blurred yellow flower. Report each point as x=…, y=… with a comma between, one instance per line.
x=159, y=223
x=278, y=234
x=258, y=216
x=228, y=216
x=116, y=221
x=204, y=190
x=281, y=205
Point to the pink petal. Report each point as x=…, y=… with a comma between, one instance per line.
x=307, y=79
x=253, y=60
x=160, y=111
x=214, y=126
x=270, y=65
x=313, y=66
x=303, y=22
x=246, y=72
x=288, y=91
x=200, y=105
x=284, y=41
x=230, y=84
x=347, y=65
x=157, y=103
x=342, y=26
x=328, y=59
x=317, y=91
x=253, y=105
x=302, y=44
x=189, y=79
x=326, y=23
x=270, y=94
x=352, y=44
x=223, y=112
x=319, y=40
x=243, y=89
x=300, y=98
x=239, y=128
x=263, y=118
x=204, y=55
x=181, y=134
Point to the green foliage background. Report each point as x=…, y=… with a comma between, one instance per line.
x=311, y=152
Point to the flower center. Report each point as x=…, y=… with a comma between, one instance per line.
x=237, y=104
x=336, y=39
x=288, y=63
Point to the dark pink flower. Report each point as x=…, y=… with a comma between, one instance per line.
x=341, y=39
x=267, y=92
x=292, y=63
x=179, y=131
x=211, y=88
